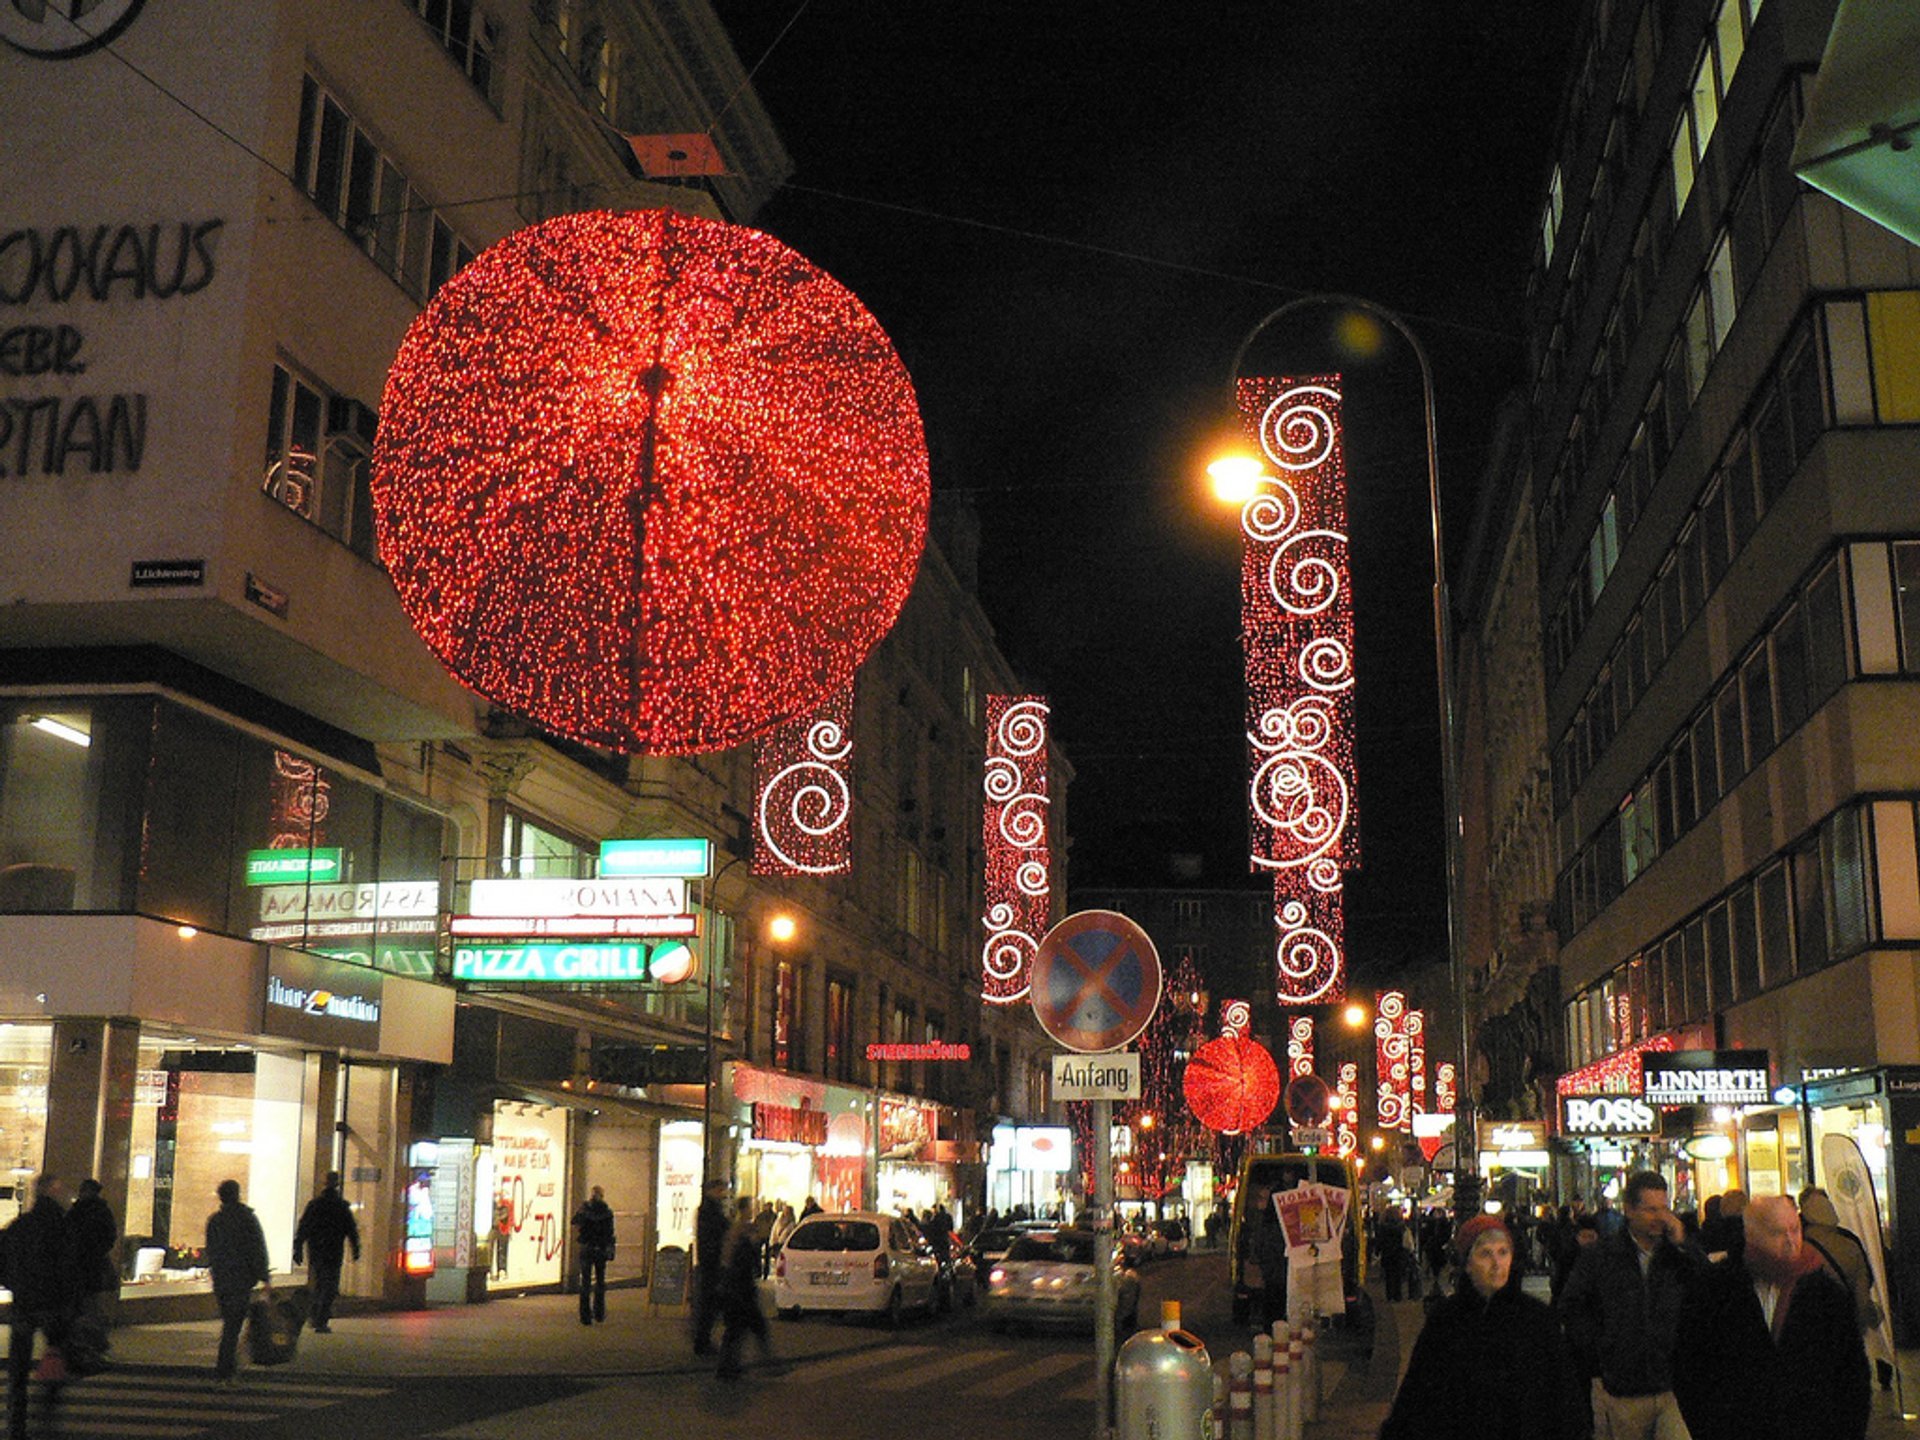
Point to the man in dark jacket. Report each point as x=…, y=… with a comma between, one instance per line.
x=1621, y=1308
x=710, y=1225
x=326, y=1229
x=1769, y=1344
x=37, y=1258
x=95, y=1234
x=237, y=1257
x=593, y=1241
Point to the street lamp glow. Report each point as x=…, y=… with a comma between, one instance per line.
x=782, y=928
x=1236, y=478
x=1377, y=1143
x=1355, y=1016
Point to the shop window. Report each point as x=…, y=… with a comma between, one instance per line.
x=72, y=773
x=1893, y=320
x=1847, y=365
x=26, y=1057
x=839, y=1029
x=529, y=849
x=786, y=1016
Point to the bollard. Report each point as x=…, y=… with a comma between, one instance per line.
x=1163, y=1384
x=1240, y=1396
x=1312, y=1386
x=1297, y=1364
x=1262, y=1387
x=1283, y=1382
x=1219, y=1406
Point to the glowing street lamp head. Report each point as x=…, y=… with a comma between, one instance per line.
x=1236, y=478
x=1355, y=1016
x=782, y=928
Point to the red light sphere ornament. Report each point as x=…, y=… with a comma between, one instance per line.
x=655, y=482
x=1232, y=1084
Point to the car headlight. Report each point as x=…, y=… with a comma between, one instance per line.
x=996, y=1276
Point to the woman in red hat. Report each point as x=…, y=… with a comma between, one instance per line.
x=1491, y=1363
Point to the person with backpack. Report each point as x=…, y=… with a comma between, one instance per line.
x=326, y=1229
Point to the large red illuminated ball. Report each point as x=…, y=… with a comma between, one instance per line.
x=654, y=482
x=1232, y=1084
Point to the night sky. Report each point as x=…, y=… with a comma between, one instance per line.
x=1068, y=216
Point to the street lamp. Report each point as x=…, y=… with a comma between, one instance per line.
x=1356, y=331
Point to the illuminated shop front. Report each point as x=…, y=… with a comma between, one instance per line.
x=797, y=1138
x=1029, y=1165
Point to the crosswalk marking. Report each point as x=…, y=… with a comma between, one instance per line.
x=1034, y=1373
x=244, y=1394
x=936, y=1370
x=869, y=1359
x=70, y=1426
x=252, y=1379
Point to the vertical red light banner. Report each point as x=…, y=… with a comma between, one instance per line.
x=1414, y=1025
x=1296, y=605
x=1346, y=1109
x=1445, y=1093
x=804, y=801
x=1394, y=1102
x=1236, y=1018
x=1014, y=834
x=1299, y=1046
x=298, y=804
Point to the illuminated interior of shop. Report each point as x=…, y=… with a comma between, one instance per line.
x=25, y=1051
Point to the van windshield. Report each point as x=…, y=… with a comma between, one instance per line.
x=1286, y=1173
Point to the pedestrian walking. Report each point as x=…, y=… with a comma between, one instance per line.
x=1263, y=1254
x=593, y=1243
x=784, y=1221
x=1621, y=1309
x=1770, y=1345
x=1390, y=1240
x=96, y=1239
x=1725, y=1232
x=740, y=1293
x=237, y=1257
x=710, y=1225
x=326, y=1229
x=38, y=1267
x=1845, y=1255
x=1490, y=1363
x=763, y=1224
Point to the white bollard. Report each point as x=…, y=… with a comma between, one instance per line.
x=1263, y=1397
x=1240, y=1396
x=1286, y=1383
x=1219, y=1406
x=1297, y=1363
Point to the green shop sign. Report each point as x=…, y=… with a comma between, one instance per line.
x=663, y=962
x=632, y=859
x=293, y=867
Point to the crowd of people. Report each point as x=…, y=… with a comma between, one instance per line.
x=1743, y=1323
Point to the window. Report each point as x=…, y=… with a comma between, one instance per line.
x=1704, y=103
x=1893, y=322
x=469, y=37
x=1720, y=955
x=1844, y=850
x=1733, y=749
x=1706, y=760
x=1756, y=693
x=361, y=190
x=1189, y=912
x=1746, y=944
x=786, y=1016
x=1790, y=669
x=1699, y=1002
x=1681, y=150
x=839, y=1030
x=1847, y=364
x=1827, y=644
x=1809, y=906
x=1776, y=924
x=318, y=459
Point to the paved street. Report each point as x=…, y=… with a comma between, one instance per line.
x=524, y=1369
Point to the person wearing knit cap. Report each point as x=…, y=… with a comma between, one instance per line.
x=1490, y=1363
x=1769, y=1344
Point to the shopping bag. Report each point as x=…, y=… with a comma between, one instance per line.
x=273, y=1331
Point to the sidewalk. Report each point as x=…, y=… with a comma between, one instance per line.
x=523, y=1335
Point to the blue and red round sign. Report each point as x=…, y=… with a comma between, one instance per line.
x=1096, y=981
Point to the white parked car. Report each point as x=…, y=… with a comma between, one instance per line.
x=857, y=1261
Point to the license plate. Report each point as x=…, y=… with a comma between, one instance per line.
x=827, y=1277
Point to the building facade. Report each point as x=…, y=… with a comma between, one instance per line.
x=1720, y=447
x=239, y=801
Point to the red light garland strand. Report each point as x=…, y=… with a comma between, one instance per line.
x=1297, y=628
x=1232, y=1085
x=653, y=481
x=1236, y=1017
x=805, y=798
x=1014, y=835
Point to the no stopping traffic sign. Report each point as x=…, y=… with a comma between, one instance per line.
x=1096, y=981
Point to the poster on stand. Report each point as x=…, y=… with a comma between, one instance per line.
x=1314, y=1219
x=529, y=1199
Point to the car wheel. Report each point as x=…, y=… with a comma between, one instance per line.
x=792, y=1312
x=896, y=1306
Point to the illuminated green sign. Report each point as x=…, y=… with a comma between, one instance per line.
x=293, y=867
x=601, y=962
x=630, y=859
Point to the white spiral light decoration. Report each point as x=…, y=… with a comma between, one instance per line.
x=1019, y=890
x=809, y=798
x=1236, y=1018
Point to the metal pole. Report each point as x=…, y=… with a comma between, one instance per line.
x=709, y=889
x=1106, y=1294
x=1465, y=1137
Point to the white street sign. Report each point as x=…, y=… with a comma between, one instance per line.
x=1103, y=1075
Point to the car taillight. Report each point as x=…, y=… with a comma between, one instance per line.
x=880, y=1270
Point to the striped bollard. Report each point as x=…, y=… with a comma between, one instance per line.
x=1219, y=1406
x=1240, y=1396
x=1312, y=1337
x=1285, y=1423
x=1263, y=1388
x=1297, y=1399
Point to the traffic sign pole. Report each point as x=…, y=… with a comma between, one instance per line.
x=1106, y=1294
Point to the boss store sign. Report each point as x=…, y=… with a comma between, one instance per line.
x=1706, y=1077
x=1609, y=1117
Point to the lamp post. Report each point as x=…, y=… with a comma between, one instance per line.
x=1466, y=1173
x=710, y=893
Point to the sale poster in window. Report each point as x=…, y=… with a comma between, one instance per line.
x=529, y=1196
